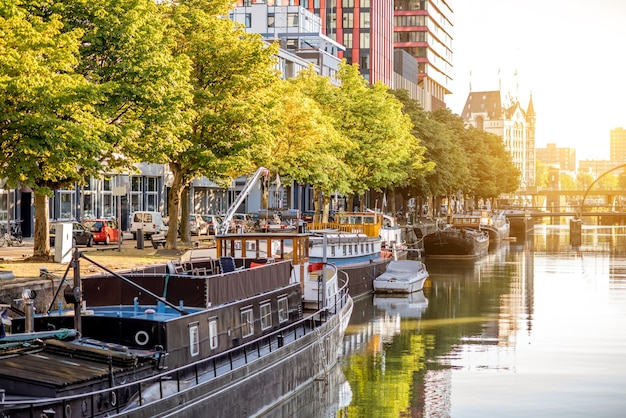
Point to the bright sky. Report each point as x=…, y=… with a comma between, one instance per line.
x=570, y=54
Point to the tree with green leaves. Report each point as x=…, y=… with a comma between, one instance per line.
x=232, y=77
x=490, y=169
x=372, y=118
x=86, y=85
x=322, y=148
x=307, y=147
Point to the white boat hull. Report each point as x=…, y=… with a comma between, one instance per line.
x=402, y=276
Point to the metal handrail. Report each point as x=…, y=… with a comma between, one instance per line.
x=202, y=367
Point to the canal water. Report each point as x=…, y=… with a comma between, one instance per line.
x=537, y=328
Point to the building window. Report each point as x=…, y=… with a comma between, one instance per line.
x=348, y=20
x=136, y=200
x=292, y=20
x=66, y=209
x=248, y=20
x=283, y=309
x=347, y=3
x=364, y=43
x=266, y=316
x=152, y=194
x=247, y=323
x=3, y=205
x=364, y=61
x=347, y=39
x=365, y=19
x=365, y=3
x=271, y=19
x=194, y=339
x=213, y=340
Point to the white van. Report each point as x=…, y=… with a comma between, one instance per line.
x=149, y=222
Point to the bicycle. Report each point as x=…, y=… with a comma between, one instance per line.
x=14, y=238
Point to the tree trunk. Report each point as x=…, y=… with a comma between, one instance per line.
x=326, y=203
x=173, y=204
x=41, y=241
x=317, y=211
x=185, y=233
x=350, y=203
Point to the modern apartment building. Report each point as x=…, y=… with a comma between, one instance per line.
x=299, y=33
x=364, y=28
x=618, y=145
x=505, y=117
x=423, y=29
x=599, y=167
x=564, y=158
x=386, y=38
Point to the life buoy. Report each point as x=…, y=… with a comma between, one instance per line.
x=142, y=338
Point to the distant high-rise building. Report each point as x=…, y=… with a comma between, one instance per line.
x=365, y=28
x=565, y=158
x=299, y=32
x=618, y=145
x=406, y=44
x=490, y=112
x=423, y=28
x=599, y=167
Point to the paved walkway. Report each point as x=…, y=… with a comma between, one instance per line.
x=25, y=250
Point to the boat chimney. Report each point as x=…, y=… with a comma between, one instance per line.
x=28, y=296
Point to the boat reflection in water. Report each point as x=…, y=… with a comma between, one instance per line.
x=328, y=396
x=406, y=306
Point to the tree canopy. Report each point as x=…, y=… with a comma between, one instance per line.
x=92, y=87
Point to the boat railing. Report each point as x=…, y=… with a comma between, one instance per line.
x=371, y=230
x=198, y=372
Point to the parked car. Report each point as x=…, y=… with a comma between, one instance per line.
x=80, y=234
x=241, y=223
x=198, y=225
x=214, y=222
x=104, y=230
x=149, y=223
x=307, y=216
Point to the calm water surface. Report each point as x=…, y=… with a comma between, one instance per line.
x=536, y=328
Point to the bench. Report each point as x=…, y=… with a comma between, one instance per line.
x=157, y=240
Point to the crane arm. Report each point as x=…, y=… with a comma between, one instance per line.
x=228, y=218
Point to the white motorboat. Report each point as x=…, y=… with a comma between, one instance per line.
x=402, y=276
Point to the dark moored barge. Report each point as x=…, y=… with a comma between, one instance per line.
x=235, y=334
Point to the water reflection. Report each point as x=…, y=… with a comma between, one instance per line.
x=537, y=327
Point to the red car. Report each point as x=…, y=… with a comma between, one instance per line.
x=104, y=230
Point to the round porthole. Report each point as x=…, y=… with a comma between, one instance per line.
x=142, y=338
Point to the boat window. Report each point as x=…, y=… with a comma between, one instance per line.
x=194, y=339
x=344, y=250
x=332, y=250
x=213, y=340
x=362, y=248
x=247, y=323
x=266, y=316
x=283, y=309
